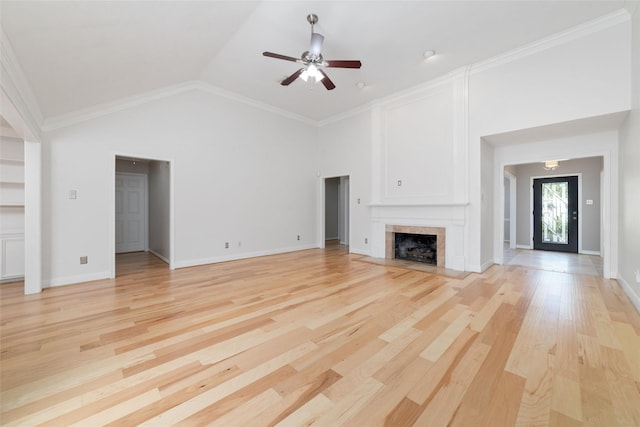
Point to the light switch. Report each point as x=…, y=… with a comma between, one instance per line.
x=589, y=202
x=73, y=194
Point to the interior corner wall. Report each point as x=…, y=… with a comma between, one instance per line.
x=559, y=83
x=160, y=209
x=629, y=250
x=252, y=186
x=487, y=197
x=344, y=149
x=331, y=208
x=128, y=166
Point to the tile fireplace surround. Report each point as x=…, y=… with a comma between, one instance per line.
x=439, y=232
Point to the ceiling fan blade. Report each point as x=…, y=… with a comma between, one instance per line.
x=342, y=64
x=291, y=78
x=316, y=44
x=326, y=81
x=278, y=56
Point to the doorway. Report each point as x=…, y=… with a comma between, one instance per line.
x=142, y=210
x=336, y=210
x=555, y=214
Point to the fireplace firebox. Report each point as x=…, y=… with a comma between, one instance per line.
x=431, y=251
x=416, y=247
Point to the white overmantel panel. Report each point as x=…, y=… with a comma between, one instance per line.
x=419, y=144
x=452, y=217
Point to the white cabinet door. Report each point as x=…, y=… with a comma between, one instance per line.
x=12, y=257
x=131, y=215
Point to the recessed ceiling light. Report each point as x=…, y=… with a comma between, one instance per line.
x=361, y=85
x=428, y=54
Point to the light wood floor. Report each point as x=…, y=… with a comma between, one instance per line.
x=320, y=337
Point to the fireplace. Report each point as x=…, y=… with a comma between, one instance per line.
x=416, y=247
x=412, y=243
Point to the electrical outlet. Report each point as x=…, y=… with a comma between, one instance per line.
x=226, y=245
x=366, y=241
x=637, y=276
x=399, y=183
x=298, y=237
x=358, y=200
x=84, y=260
x=239, y=244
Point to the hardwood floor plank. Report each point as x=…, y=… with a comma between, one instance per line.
x=319, y=337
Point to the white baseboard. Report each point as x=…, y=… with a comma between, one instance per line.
x=473, y=268
x=158, y=255
x=585, y=252
x=634, y=297
x=523, y=247
x=233, y=257
x=331, y=238
x=486, y=265
x=454, y=262
x=358, y=251
x=70, y=280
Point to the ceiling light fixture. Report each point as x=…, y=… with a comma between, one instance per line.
x=551, y=165
x=428, y=54
x=313, y=72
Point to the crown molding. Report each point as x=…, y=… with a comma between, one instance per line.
x=100, y=110
x=606, y=21
x=214, y=90
x=17, y=89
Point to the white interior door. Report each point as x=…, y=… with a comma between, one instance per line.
x=131, y=215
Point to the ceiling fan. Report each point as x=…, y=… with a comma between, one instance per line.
x=313, y=61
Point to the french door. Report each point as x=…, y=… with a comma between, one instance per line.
x=555, y=214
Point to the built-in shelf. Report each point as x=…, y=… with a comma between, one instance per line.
x=12, y=187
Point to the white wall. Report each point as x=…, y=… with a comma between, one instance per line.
x=559, y=82
x=242, y=175
x=629, y=266
x=160, y=209
x=344, y=149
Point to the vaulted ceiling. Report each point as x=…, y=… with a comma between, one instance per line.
x=79, y=54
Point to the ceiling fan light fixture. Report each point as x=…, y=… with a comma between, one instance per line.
x=311, y=72
x=311, y=59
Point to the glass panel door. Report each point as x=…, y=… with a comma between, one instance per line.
x=555, y=212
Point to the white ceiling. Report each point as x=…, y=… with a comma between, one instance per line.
x=79, y=54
